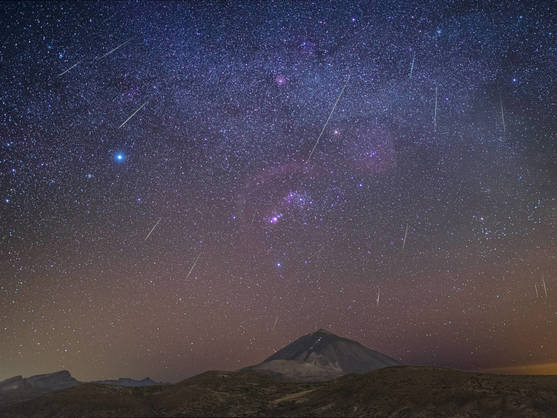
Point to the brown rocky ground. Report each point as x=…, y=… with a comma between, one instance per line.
x=388, y=392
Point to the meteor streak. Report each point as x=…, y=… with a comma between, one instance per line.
x=502, y=114
x=152, y=229
x=193, y=266
x=405, y=234
x=327, y=121
x=65, y=71
x=315, y=253
x=133, y=114
x=115, y=49
x=435, y=112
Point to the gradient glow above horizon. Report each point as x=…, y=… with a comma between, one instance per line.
x=197, y=235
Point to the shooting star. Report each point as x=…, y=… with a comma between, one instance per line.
x=115, y=49
x=315, y=253
x=329, y=118
x=275, y=324
x=133, y=114
x=65, y=71
x=405, y=234
x=435, y=112
x=378, y=295
x=152, y=229
x=502, y=113
x=544, y=288
x=193, y=266
x=412, y=65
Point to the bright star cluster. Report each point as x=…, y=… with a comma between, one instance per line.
x=160, y=214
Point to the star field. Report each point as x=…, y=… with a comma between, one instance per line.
x=188, y=186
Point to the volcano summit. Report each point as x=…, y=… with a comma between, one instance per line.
x=322, y=356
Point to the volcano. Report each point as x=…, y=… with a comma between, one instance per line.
x=323, y=355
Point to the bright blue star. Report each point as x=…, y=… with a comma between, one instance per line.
x=120, y=157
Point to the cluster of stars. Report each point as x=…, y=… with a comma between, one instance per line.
x=177, y=177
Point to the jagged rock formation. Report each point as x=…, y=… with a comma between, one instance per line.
x=18, y=388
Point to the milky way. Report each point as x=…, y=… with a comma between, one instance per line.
x=160, y=214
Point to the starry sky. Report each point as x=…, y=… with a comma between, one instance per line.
x=191, y=186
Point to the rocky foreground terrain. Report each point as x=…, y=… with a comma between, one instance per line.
x=319, y=374
x=387, y=392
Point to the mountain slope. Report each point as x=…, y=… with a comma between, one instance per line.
x=17, y=388
x=323, y=355
x=392, y=391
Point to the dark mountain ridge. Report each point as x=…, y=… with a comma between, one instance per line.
x=126, y=381
x=18, y=389
x=302, y=379
x=387, y=392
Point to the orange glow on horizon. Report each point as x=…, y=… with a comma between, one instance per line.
x=542, y=368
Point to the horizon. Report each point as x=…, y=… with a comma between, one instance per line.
x=546, y=369
x=524, y=369
x=189, y=187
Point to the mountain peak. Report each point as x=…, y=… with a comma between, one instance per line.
x=323, y=355
x=58, y=380
x=324, y=331
x=59, y=373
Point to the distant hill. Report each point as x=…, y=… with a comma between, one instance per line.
x=391, y=391
x=18, y=388
x=323, y=355
x=126, y=381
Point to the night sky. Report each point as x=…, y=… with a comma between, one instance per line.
x=384, y=170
